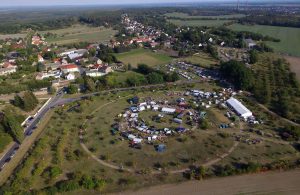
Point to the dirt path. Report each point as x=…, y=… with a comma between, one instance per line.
x=262, y=183
x=112, y=166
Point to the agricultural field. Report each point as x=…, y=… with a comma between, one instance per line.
x=143, y=56
x=80, y=33
x=290, y=37
x=201, y=59
x=12, y=36
x=183, y=19
x=200, y=22
x=186, y=16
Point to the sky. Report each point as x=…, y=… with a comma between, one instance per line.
x=93, y=2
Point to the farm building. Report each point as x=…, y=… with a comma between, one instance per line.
x=239, y=108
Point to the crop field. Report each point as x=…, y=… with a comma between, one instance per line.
x=143, y=56
x=80, y=33
x=200, y=22
x=186, y=16
x=12, y=36
x=290, y=37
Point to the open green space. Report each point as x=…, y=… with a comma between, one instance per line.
x=143, y=56
x=290, y=37
x=80, y=33
x=186, y=16
x=58, y=157
x=200, y=22
x=201, y=59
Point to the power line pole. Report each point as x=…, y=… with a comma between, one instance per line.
x=238, y=5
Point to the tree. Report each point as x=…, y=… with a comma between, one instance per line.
x=27, y=102
x=89, y=84
x=30, y=101
x=12, y=126
x=155, y=78
x=253, y=56
x=72, y=89
x=203, y=124
x=237, y=73
x=40, y=67
x=202, y=172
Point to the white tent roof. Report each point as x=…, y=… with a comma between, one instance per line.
x=239, y=107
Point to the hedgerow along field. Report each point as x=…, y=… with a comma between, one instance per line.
x=186, y=16
x=183, y=19
x=290, y=37
x=80, y=33
x=143, y=56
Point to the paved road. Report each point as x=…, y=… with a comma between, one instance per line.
x=29, y=129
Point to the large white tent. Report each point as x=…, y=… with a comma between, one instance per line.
x=239, y=108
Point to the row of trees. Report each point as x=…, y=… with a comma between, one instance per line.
x=10, y=123
x=26, y=101
x=275, y=86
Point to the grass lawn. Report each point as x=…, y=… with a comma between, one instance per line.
x=200, y=22
x=59, y=145
x=290, y=37
x=181, y=149
x=186, y=16
x=80, y=33
x=201, y=59
x=143, y=56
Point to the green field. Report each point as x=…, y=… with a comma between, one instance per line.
x=12, y=36
x=209, y=23
x=183, y=19
x=80, y=33
x=186, y=16
x=290, y=37
x=201, y=59
x=143, y=56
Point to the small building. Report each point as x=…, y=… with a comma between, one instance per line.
x=239, y=108
x=168, y=110
x=250, y=43
x=177, y=120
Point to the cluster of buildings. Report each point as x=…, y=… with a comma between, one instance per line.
x=7, y=68
x=189, y=71
x=61, y=69
x=38, y=40
x=144, y=34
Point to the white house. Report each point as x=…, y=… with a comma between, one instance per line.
x=70, y=77
x=239, y=108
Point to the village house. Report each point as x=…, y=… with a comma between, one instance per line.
x=40, y=58
x=250, y=43
x=52, y=66
x=45, y=75
x=69, y=68
x=8, y=70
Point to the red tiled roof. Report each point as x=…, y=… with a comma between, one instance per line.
x=69, y=66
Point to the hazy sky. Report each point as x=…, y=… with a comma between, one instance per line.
x=87, y=2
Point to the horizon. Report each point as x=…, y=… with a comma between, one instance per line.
x=37, y=3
